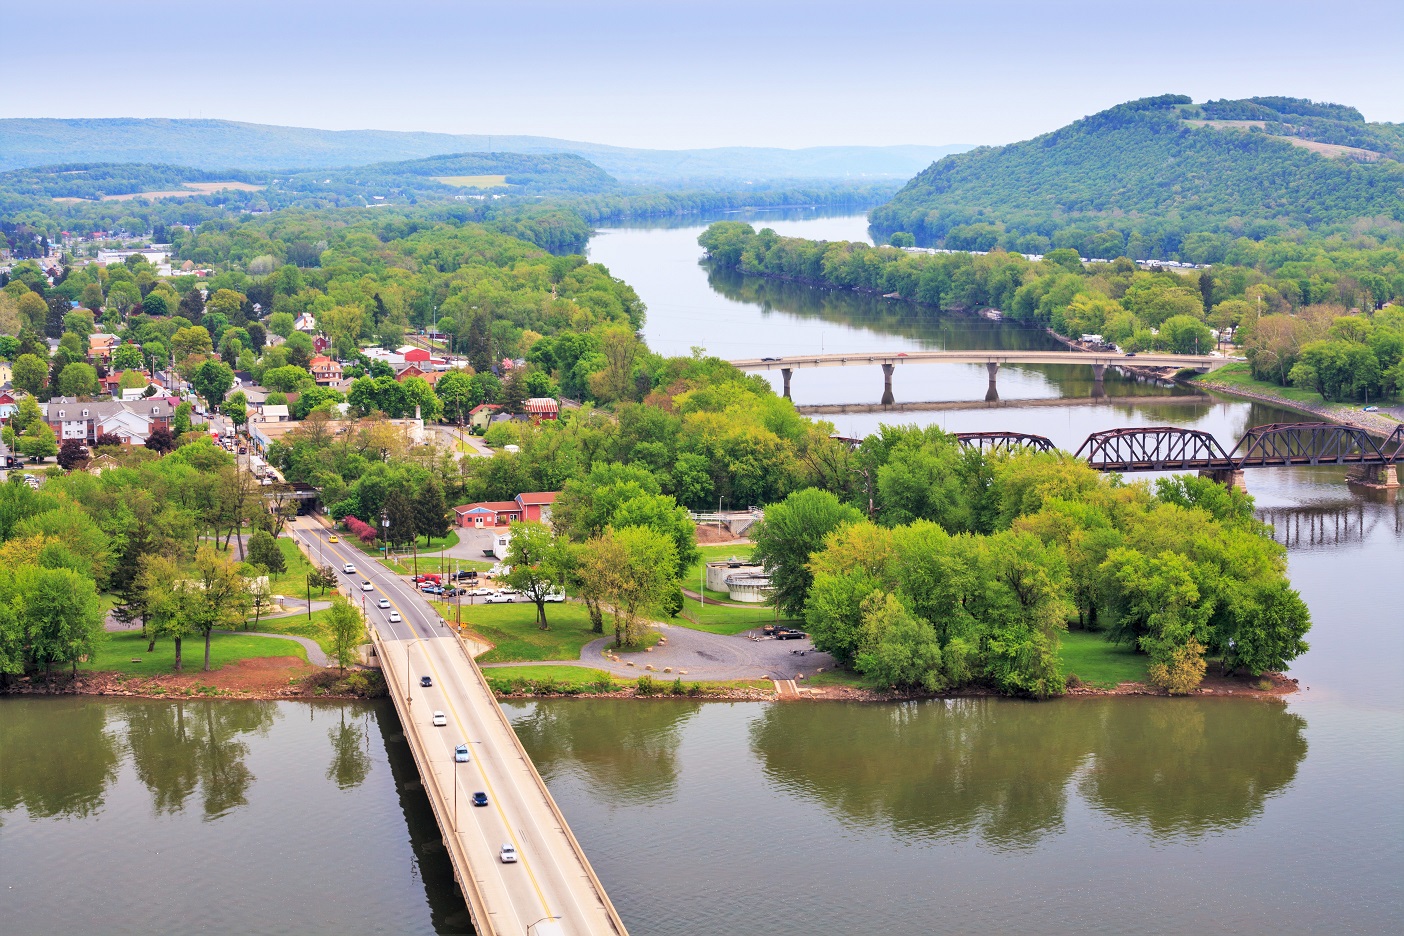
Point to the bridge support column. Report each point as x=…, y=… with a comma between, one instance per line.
x=1375, y=476
x=887, y=397
x=992, y=391
x=1231, y=478
x=785, y=372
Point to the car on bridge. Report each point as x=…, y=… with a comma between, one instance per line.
x=460, y=754
x=349, y=568
x=439, y=719
x=426, y=681
x=395, y=617
x=383, y=603
x=508, y=854
x=480, y=798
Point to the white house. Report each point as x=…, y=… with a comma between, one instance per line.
x=306, y=322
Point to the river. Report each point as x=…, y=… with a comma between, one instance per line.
x=1120, y=815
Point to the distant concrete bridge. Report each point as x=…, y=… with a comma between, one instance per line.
x=1099, y=362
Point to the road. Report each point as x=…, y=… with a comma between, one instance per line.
x=1085, y=358
x=552, y=878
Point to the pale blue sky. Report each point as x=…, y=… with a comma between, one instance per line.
x=682, y=74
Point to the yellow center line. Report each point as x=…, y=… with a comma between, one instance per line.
x=459, y=722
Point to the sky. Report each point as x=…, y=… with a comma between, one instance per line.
x=674, y=74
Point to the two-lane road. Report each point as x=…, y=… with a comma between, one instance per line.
x=552, y=878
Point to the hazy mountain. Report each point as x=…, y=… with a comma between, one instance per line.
x=224, y=144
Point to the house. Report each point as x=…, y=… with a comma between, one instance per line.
x=536, y=506
x=324, y=370
x=7, y=374
x=405, y=373
x=412, y=355
x=275, y=413
x=102, y=462
x=321, y=343
x=539, y=408
x=100, y=347
x=306, y=322
x=110, y=384
x=479, y=415
x=130, y=420
x=8, y=407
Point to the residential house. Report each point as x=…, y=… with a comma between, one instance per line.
x=479, y=415
x=100, y=347
x=320, y=343
x=7, y=374
x=8, y=407
x=277, y=413
x=130, y=420
x=539, y=408
x=407, y=371
x=536, y=506
x=306, y=322
x=324, y=370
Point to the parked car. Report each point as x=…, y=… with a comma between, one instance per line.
x=383, y=603
x=499, y=598
x=426, y=681
x=440, y=720
x=395, y=617
x=367, y=586
x=480, y=798
x=555, y=596
x=450, y=592
x=508, y=854
x=460, y=754
x=1372, y=409
x=479, y=592
x=433, y=590
x=349, y=568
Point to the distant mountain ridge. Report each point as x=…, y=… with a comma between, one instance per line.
x=1161, y=177
x=227, y=144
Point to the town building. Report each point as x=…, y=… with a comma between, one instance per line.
x=324, y=370
x=534, y=506
x=539, y=408
x=479, y=416
x=130, y=420
x=100, y=347
x=306, y=322
x=8, y=407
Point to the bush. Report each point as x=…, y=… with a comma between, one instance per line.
x=646, y=686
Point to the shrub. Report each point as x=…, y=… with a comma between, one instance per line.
x=646, y=686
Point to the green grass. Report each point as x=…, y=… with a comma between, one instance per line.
x=115, y=654
x=292, y=581
x=1099, y=662
x=577, y=677
x=512, y=629
x=724, y=619
x=835, y=677
x=1239, y=376
x=298, y=625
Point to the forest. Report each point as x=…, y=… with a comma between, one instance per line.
x=1158, y=179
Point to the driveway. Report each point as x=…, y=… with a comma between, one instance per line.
x=472, y=542
x=705, y=657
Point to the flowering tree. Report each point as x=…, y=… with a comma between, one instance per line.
x=360, y=529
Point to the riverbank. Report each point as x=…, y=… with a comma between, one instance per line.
x=1236, y=380
x=261, y=678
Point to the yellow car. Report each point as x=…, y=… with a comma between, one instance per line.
x=333, y=539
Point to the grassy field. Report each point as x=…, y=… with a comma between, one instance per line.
x=298, y=625
x=1099, y=662
x=473, y=181
x=115, y=655
x=724, y=619
x=575, y=677
x=1239, y=376
x=512, y=629
x=292, y=581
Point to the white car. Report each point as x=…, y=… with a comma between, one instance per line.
x=498, y=598
x=440, y=720
x=479, y=592
x=554, y=596
x=395, y=617
x=349, y=569
x=367, y=586
x=508, y=854
x=383, y=603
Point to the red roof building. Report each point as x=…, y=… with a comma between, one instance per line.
x=534, y=506
x=539, y=408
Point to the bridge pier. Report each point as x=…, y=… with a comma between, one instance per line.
x=887, y=397
x=992, y=391
x=1375, y=476
x=785, y=372
x=1231, y=478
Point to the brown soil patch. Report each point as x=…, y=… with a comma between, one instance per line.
x=257, y=678
x=709, y=535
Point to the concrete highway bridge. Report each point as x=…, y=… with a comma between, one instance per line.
x=993, y=360
x=1171, y=448
x=551, y=888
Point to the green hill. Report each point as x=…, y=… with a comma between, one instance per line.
x=1162, y=177
x=219, y=144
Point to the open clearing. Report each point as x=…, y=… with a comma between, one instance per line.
x=472, y=181
x=191, y=188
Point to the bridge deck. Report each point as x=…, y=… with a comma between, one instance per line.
x=1084, y=358
x=553, y=878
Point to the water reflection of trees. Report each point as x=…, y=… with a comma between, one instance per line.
x=179, y=747
x=350, y=740
x=628, y=750
x=1001, y=771
x=57, y=757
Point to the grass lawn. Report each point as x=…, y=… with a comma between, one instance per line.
x=1099, y=662
x=115, y=654
x=723, y=619
x=577, y=677
x=429, y=549
x=1240, y=376
x=298, y=625
x=516, y=638
x=835, y=677
x=292, y=581
x=405, y=565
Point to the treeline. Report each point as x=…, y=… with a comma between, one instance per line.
x=1137, y=180
x=1275, y=300
x=954, y=569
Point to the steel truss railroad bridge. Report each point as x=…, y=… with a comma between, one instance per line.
x=1170, y=448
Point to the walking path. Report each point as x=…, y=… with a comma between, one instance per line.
x=698, y=655
x=315, y=655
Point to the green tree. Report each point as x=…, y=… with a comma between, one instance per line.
x=39, y=441
x=899, y=648
x=457, y=396
x=538, y=561
x=431, y=513
x=127, y=357
x=263, y=551
x=78, y=380
x=29, y=373
x=791, y=532
x=212, y=380
x=281, y=324
x=348, y=631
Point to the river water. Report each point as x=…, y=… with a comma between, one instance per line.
x=1093, y=815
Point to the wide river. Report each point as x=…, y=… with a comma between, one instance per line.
x=1105, y=815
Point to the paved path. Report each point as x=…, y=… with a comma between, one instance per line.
x=315, y=655
x=704, y=656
